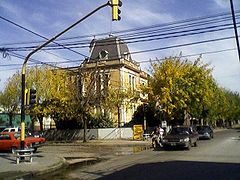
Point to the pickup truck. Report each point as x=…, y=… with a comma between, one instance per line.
x=9, y=141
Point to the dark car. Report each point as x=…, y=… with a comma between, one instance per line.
x=205, y=132
x=181, y=136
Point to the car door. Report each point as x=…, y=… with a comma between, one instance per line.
x=5, y=142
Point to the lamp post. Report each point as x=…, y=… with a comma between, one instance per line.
x=22, y=137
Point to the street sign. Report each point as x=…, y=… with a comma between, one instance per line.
x=137, y=132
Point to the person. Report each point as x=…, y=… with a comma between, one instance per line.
x=161, y=131
x=157, y=136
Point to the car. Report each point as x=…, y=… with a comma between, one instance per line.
x=9, y=141
x=205, y=132
x=34, y=133
x=180, y=136
x=12, y=129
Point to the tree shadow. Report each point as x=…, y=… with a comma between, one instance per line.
x=178, y=170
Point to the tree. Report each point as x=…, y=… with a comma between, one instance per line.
x=53, y=93
x=117, y=98
x=181, y=87
x=10, y=97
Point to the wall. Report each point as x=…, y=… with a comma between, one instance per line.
x=115, y=133
x=73, y=135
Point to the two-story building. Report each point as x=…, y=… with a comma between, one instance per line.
x=111, y=79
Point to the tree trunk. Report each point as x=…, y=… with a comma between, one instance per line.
x=10, y=114
x=119, y=116
x=84, y=130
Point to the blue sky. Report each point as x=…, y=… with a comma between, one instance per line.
x=49, y=17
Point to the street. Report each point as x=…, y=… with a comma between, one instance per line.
x=218, y=158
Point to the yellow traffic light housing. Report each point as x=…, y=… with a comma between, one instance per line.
x=30, y=97
x=115, y=9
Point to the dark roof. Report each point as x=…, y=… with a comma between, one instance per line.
x=111, y=48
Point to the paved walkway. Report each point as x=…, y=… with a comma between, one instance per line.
x=53, y=156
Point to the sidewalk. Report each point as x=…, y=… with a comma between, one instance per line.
x=54, y=156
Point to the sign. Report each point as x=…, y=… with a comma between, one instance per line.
x=137, y=132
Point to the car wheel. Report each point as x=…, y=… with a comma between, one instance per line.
x=13, y=149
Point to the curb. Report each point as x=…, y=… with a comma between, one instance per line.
x=55, y=167
x=28, y=175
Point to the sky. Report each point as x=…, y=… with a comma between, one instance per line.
x=49, y=17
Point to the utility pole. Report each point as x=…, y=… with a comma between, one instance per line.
x=22, y=137
x=235, y=28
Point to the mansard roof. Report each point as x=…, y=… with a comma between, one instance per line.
x=111, y=48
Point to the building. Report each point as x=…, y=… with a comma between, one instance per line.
x=112, y=79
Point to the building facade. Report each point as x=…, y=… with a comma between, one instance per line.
x=111, y=80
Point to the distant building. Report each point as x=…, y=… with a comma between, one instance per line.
x=110, y=68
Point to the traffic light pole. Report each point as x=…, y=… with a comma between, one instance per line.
x=235, y=28
x=22, y=137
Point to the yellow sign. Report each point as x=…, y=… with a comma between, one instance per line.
x=137, y=132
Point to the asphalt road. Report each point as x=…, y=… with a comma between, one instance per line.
x=218, y=158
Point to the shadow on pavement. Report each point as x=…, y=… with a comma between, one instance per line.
x=8, y=157
x=179, y=170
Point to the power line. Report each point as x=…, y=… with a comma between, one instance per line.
x=30, y=31
x=200, y=21
x=143, y=61
x=144, y=38
x=34, y=60
x=182, y=45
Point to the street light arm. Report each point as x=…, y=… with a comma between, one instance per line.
x=22, y=137
x=64, y=31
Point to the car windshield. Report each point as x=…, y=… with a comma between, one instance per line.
x=179, y=130
x=17, y=135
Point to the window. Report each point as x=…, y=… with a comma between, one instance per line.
x=103, y=54
x=131, y=80
x=4, y=137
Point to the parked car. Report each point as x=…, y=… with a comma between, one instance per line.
x=205, y=132
x=12, y=129
x=35, y=133
x=181, y=136
x=9, y=141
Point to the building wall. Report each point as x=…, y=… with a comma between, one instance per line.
x=123, y=76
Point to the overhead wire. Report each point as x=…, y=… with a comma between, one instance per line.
x=185, y=33
x=163, y=27
x=181, y=45
x=30, y=31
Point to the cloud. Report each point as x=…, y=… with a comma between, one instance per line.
x=144, y=16
x=226, y=3
x=9, y=7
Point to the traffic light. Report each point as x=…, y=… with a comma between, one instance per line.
x=115, y=9
x=32, y=96
x=26, y=97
